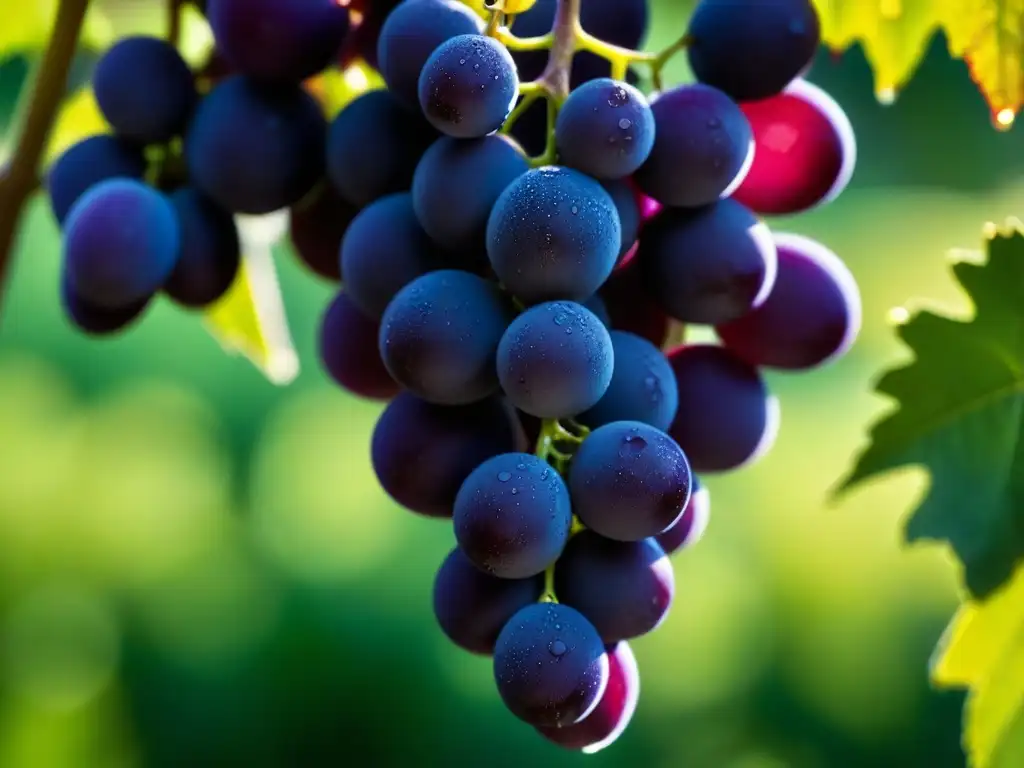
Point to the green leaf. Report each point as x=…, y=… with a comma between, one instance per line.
x=983, y=651
x=959, y=411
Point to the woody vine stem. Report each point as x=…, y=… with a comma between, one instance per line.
x=36, y=112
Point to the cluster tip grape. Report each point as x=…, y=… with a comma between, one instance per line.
x=521, y=231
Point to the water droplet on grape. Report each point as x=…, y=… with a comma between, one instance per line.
x=504, y=477
x=558, y=648
x=624, y=123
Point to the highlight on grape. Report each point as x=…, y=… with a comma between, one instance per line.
x=521, y=224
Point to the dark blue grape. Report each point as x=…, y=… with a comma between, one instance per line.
x=472, y=607
x=422, y=453
x=121, y=242
x=317, y=225
x=279, y=40
x=708, y=265
x=631, y=306
x=690, y=527
x=144, y=89
x=624, y=198
x=703, y=147
x=625, y=588
x=373, y=147
x=629, y=480
x=512, y=516
x=210, y=254
x=752, y=49
x=348, y=351
x=96, y=320
x=610, y=718
x=643, y=387
x=468, y=86
x=87, y=163
x=439, y=336
x=456, y=185
x=727, y=418
x=811, y=316
x=383, y=251
x=555, y=360
x=254, y=148
x=550, y=665
x=413, y=31
x=553, y=234
x=605, y=129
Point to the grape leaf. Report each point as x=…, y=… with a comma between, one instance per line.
x=25, y=26
x=983, y=651
x=894, y=34
x=960, y=413
x=987, y=35
x=249, y=319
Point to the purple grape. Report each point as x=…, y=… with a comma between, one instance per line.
x=439, y=336
x=629, y=481
x=625, y=588
x=811, y=317
x=611, y=716
x=512, y=516
x=703, y=147
x=348, y=351
x=210, y=254
x=688, y=529
x=121, y=242
x=472, y=607
x=727, y=418
x=550, y=665
x=422, y=453
x=317, y=226
x=279, y=40
x=707, y=265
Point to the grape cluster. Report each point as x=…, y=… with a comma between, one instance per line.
x=521, y=301
x=522, y=315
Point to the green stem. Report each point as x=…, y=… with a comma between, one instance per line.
x=513, y=43
x=529, y=93
x=39, y=104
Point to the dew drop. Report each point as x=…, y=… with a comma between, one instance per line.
x=557, y=648
x=624, y=123
x=504, y=477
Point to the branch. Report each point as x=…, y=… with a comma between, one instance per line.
x=41, y=100
x=566, y=31
x=174, y=8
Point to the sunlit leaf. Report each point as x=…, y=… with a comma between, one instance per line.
x=894, y=34
x=983, y=650
x=250, y=319
x=25, y=26
x=335, y=88
x=960, y=413
x=987, y=35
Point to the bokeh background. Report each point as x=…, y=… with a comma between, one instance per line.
x=198, y=569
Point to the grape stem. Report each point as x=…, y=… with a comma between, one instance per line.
x=39, y=105
x=174, y=8
x=566, y=37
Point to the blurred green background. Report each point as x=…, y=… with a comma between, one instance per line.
x=198, y=569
